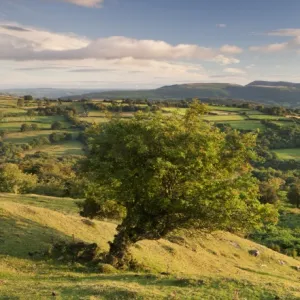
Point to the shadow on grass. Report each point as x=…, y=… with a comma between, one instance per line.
x=267, y=274
x=20, y=237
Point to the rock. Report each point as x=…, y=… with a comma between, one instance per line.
x=281, y=262
x=254, y=253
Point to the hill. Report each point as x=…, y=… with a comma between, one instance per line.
x=47, y=92
x=194, y=266
x=279, y=84
x=270, y=93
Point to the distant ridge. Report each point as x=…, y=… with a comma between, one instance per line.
x=265, y=92
x=274, y=84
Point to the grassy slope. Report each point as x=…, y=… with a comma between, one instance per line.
x=30, y=223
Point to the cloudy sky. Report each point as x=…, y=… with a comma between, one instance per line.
x=147, y=43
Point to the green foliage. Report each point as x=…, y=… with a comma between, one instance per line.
x=13, y=180
x=29, y=127
x=294, y=194
x=28, y=98
x=173, y=172
x=20, y=102
x=284, y=240
x=268, y=193
x=57, y=125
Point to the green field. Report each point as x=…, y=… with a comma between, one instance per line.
x=197, y=266
x=226, y=108
x=246, y=125
x=26, y=137
x=284, y=123
x=61, y=149
x=266, y=117
x=13, y=124
x=224, y=118
x=288, y=153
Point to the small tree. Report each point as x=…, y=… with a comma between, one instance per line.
x=25, y=127
x=268, y=193
x=57, y=125
x=28, y=98
x=13, y=180
x=173, y=172
x=34, y=127
x=294, y=195
x=20, y=102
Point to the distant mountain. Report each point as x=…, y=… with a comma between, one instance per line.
x=48, y=92
x=279, y=84
x=272, y=93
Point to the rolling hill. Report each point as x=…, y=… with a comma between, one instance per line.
x=269, y=93
x=187, y=265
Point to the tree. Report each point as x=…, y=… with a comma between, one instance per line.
x=294, y=194
x=20, y=102
x=28, y=98
x=268, y=193
x=34, y=127
x=13, y=180
x=25, y=127
x=57, y=125
x=173, y=172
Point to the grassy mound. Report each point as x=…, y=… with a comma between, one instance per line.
x=186, y=266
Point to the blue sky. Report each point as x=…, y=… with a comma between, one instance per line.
x=147, y=43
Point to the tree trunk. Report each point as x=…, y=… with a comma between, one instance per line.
x=118, y=251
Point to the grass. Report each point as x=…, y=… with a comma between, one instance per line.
x=284, y=123
x=246, y=125
x=33, y=119
x=215, y=266
x=225, y=108
x=266, y=117
x=224, y=118
x=13, y=124
x=62, y=149
x=288, y=153
x=26, y=137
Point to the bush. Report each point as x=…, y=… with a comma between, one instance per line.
x=57, y=125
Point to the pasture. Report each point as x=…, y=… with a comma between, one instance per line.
x=64, y=148
x=286, y=154
x=246, y=125
x=26, y=137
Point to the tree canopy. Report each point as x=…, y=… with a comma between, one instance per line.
x=169, y=172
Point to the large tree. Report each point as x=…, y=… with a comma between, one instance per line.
x=169, y=172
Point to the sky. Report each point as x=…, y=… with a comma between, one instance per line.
x=141, y=44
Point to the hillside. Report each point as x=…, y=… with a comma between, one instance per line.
x=272, y=93
x=216, y=266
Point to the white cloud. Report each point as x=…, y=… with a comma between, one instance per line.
x=86, y=3
x=293, y=44
x=224, y=60
x=270, y=48
x=250, y=66
x=234, y=71
x=16, y=37
x=26, y=43
x=231, y=49
x=285, y=32
x=221, y=25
